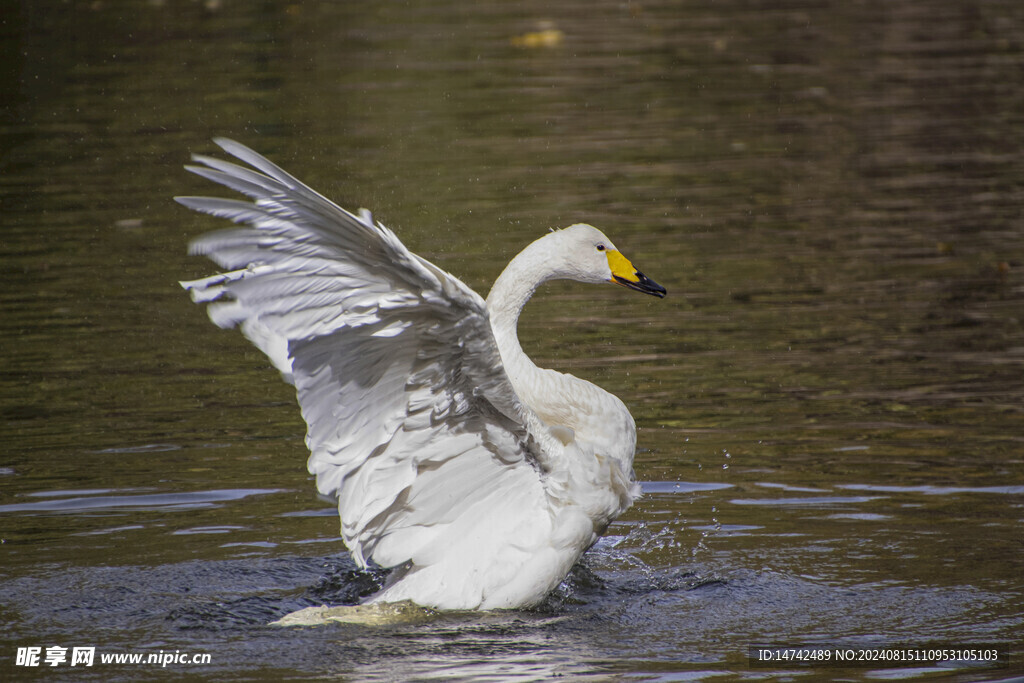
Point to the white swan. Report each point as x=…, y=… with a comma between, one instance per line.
x=479, y=477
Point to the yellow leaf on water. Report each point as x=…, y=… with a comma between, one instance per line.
x=550, y=37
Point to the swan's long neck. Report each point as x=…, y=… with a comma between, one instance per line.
x=598, y=422
x=513, y=288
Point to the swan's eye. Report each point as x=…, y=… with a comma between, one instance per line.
x=600, y=247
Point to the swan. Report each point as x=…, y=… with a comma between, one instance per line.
x=478, y=477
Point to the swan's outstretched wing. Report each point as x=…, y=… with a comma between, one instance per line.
x=412, y=421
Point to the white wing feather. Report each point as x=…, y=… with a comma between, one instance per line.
x=412, y=421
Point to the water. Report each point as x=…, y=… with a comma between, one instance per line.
x=829, y=401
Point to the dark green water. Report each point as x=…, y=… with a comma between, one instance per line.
x=830, y=401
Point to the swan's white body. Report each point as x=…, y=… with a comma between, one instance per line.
x=478, y=476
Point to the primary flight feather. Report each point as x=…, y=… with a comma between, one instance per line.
x=477, y=476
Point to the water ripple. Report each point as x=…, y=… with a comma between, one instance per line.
x=189, y=500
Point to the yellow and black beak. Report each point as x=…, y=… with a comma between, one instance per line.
x=623, y=273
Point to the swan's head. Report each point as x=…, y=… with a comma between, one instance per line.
x=588, y=255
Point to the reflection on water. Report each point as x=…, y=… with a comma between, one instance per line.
x=55, y=502
x=830, y=401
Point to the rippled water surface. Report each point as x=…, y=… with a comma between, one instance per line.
x=830, y=401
